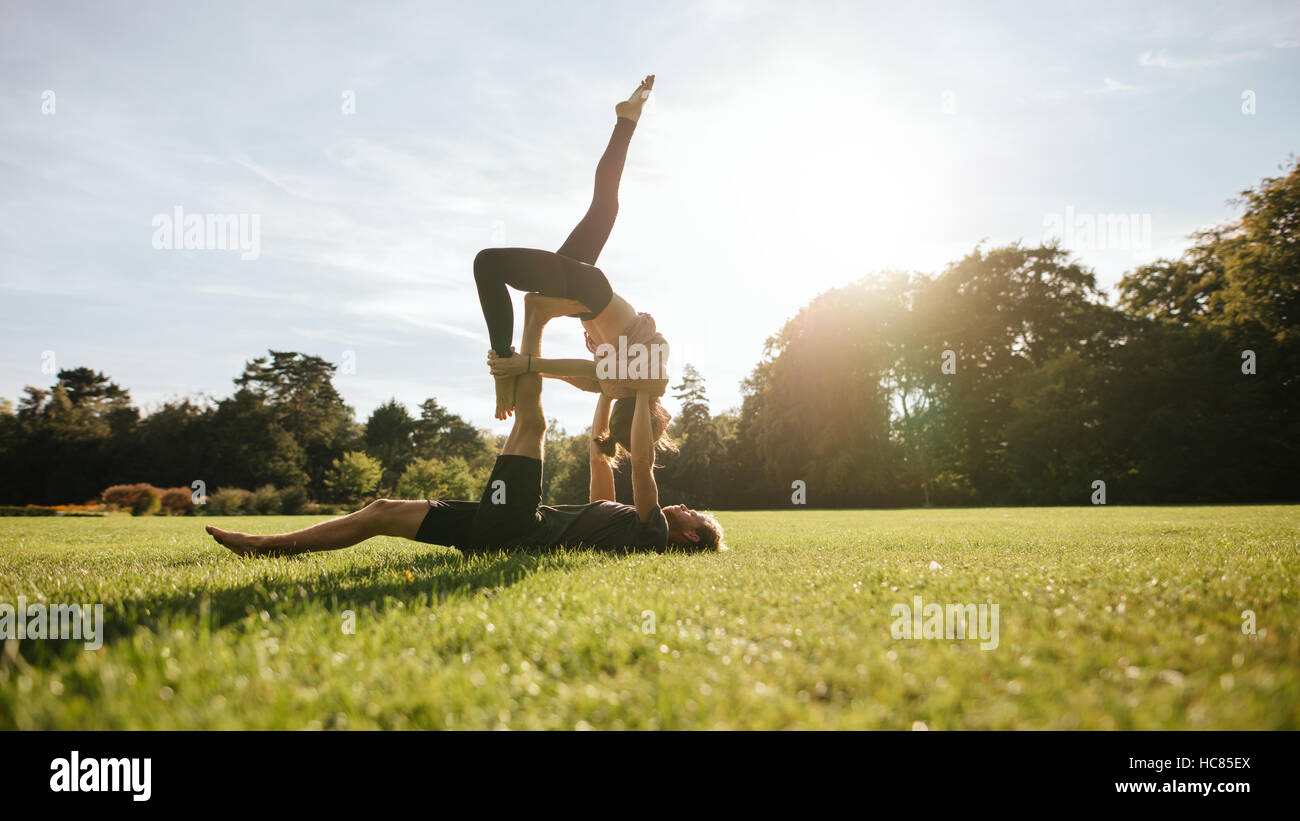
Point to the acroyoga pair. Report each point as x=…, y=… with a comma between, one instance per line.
x=630, y=422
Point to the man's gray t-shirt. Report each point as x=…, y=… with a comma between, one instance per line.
x=599, y=524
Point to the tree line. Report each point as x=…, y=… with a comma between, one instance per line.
x=1007, y=378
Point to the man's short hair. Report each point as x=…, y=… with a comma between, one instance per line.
x=710, y=533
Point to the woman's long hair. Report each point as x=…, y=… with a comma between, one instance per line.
x=616, y=445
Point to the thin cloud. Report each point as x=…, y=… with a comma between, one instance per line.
x=1113, y=86
x=397, y=311
x=252, y=293
x=344, y=339
x=1162, y=59
x=244, y=162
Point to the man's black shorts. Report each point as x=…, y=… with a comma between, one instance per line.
x=505, y=516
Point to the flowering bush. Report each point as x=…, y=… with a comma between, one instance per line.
x=141, y=499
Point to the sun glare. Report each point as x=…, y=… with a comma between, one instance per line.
x=797, y=183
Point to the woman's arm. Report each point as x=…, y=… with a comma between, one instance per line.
x=600, y=422
x=602, y=474
x=645, y=492
x=582, y=383
x=555, y=368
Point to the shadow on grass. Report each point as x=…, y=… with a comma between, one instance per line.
x=373, y=586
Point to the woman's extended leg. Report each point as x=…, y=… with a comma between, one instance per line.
x=382, y=517
x=589, y=236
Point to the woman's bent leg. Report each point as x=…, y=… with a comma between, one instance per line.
x=529, y=269
x=541, y=272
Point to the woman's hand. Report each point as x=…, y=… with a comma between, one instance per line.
x=508, y=366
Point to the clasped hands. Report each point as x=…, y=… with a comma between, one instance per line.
x=508, y=365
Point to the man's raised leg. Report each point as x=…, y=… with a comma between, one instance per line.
x=528, y=436
x=507, y=514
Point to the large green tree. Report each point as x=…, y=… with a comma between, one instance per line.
x=389, y=437
x=441, y=434
x=298, y=391
x=699, y=446
x=71, y=441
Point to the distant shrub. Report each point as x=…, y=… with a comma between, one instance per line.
x=93, y=509
x=353, y=475
x=29, y=510
x=265, y=501
x=177, y=501
x=293, y=500
x=141, y=499
x=228, y=501
x=439, y=479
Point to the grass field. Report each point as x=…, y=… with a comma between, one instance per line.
x=1109, y=618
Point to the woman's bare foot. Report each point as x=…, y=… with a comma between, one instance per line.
x=631, y=107
x=245, y=544
x=505, y=396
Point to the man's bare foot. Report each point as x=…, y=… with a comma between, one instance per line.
x=631, y=107
x=505, y=396
x=245, y=544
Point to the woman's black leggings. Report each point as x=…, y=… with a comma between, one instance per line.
x=569, y=273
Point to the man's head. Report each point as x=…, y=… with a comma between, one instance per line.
x=692, y=530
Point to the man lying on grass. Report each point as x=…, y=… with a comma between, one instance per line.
x=510, y=513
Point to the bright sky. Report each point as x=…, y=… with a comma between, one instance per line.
x=788, y=148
